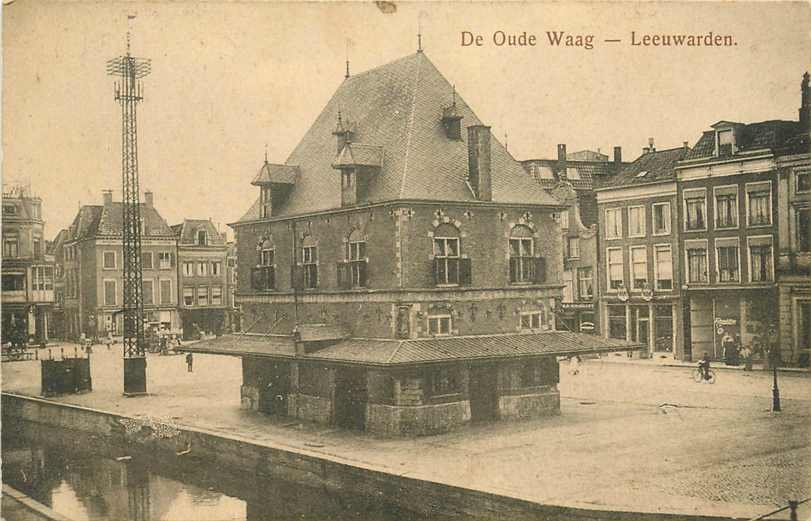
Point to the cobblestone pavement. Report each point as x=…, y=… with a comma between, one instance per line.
x=628, y=437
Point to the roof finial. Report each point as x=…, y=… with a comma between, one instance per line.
x=347, y=59
x=347, y=69
x=454, y=95
x=506, y=144
x=266, y=152
x=128, y=43
x=419, y=33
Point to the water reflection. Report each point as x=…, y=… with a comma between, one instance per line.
x=86, y=479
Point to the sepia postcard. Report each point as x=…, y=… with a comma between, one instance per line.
x=406, y=261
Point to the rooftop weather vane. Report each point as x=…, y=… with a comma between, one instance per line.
x=128, y=93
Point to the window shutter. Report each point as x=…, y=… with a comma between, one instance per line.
x=258, y=278
x=363, y=274
x=297, y=277
x=513, y=269
x=540, y=269
x=270, y=277
x=465, y=272
x=435, y=271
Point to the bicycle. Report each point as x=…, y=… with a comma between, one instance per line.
x=698, y=375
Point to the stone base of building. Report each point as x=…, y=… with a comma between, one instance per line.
x=310, y=408
x=527, y=406
x=393, y=420
x=249, y=397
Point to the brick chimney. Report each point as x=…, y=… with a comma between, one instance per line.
x=617, y=156
x=149, y=199
x=478, y=156
x=805, y=104
x=107, y=197
x=651, y=145
x=562, y=160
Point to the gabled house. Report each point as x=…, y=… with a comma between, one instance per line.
x=399, y=272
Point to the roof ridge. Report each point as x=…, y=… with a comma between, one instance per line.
x=374, y=69
x=409, y=130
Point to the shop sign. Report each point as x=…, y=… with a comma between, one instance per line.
x=588, y=306
x=587, y=327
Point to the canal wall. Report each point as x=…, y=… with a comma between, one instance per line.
x=310, y=469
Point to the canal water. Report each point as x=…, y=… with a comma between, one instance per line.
x=87, y=478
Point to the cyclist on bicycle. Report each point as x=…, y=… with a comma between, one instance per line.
x=704, y=365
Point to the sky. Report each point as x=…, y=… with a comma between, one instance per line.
x=232, y=80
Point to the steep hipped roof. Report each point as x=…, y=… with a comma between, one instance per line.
x=754, y=136
x=658, y=165
x=398, y=107
x=186, y=232
x=583, y=175
x=271, y=173
x=108, y=221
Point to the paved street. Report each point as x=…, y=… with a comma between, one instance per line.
x=629, y=436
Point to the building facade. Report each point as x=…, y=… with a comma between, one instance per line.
x=794, y=238
x=202, y=271
x=638, y=248
x=728, y=191
x=28, y=269
x=572, y=178
x=399, y=272
x=93, y=269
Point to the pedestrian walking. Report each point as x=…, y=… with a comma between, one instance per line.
x=189, y=362
x=574, y=365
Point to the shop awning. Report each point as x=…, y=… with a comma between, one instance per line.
x=392, y=352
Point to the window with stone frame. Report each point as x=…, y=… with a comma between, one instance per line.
x=804, y=230
x=202, y=295
x=447, y=255
x=615, y=268
x=146, y=260
x=695, y=209
x=108, y=260
x=166, y=292
x=726, y=206
x=697, y=269
x=613, y=223
x=110, y=291
x=727, y=257
x=216, y=296
x=166, y=260
x=309, y=263
x=639, y=267
x=663, y=259
x=216, y=268
x=11, y=247
x=148, y=292
x=585, y=284
x=356, y=259
x=188, y=269
x=573, y=247
x=531, y=320
x=202, y=268
x=760, y=259
x=188, y=296
x=636, y=221
x=522, y=253
x=661, y=218
x=803, y=181
x=759, y=204
x=439, y=324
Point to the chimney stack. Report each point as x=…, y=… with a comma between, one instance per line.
x=617, y=156
x=562, y=162
x=805, y=104
x=149, y=199
x=478, y=155
x=686, y=145
x=645, y=150
x=107, y=197
x=651, y=145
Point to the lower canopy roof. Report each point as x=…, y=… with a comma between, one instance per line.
x=396, y=352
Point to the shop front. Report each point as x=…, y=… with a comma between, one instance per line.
x=651, y=323
x=722, y=322
x=577, y=317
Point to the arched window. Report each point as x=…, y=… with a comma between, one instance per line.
x=447, y=255
x=266, y=253
x=522, y=253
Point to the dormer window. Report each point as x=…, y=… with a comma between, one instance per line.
x=265, y=202
x=726, y=142
x=202, y=238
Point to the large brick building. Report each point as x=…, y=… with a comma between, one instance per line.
x=399, y=271
x=28, y=270
x=638, y=247
x=203, y=277
x=93, y=267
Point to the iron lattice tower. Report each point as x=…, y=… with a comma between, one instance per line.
x=128, y=93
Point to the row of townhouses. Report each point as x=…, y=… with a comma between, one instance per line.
x=704, y=246
x=27, y=269
x=189, y=273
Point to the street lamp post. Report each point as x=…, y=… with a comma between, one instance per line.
x=775, y=392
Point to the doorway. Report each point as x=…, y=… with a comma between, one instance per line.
x=274, y=388
x=351, y=396
x=483, y=389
